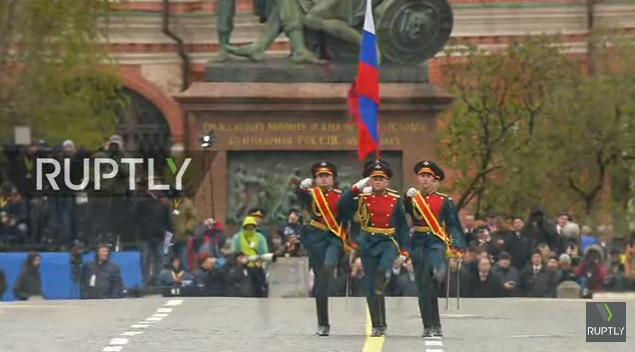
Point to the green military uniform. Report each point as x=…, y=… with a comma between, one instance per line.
x=428, y=249
x=382, y=236
x=320, y=241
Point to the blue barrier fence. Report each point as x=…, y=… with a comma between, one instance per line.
x=56, y=271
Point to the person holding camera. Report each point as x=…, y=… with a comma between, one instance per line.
x=322, y=237
x=209, y=238
x=237, y=280
x=209, y=279
x=383, y=235
x=290, y=237
x=252, y=243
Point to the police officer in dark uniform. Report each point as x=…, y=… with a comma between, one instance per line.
x=321, y=236
x=383, y=233
x=437, y=235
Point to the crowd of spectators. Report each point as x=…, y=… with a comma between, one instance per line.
x=507, y=256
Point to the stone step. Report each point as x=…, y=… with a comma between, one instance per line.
x=201, y=27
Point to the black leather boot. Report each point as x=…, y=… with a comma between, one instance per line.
x=381, y=307
x=374, y=316
x=323, y=330
x=436, y=331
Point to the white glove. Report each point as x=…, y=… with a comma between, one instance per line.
x=306, y=183
x=362, y=183
x=367, y=189
x=411, y=192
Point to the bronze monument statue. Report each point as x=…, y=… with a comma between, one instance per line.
x=409, y=32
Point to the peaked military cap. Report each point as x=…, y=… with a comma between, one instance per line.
x=324, y=167
x=426, y=166
x=377, y=167
x=256, y=212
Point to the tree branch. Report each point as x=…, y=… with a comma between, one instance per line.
x=5, y=28
x=465, y=196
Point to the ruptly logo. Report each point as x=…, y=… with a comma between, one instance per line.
x=606, y=322
x=49, y=170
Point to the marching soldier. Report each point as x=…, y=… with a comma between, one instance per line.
x=323, y=236
x=383, y=233
x=437, y=234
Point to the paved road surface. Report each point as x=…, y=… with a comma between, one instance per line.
x=156, y=324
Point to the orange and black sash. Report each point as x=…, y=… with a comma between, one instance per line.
x=424, y=210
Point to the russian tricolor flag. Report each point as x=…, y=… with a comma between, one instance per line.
x=363, y=99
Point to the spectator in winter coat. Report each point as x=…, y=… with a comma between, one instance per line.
x=208, y=279
x=587, y=239
x=508, y=274
x=237, y=280
x=174, y=280
x=535, y=280
x=592, y=270
x=153, y=218
x=251, y=242
x=484, y=283
x=209, y=238
x=539, y=229
x=29, y=283
x=174, y=276
x=13, y=214
x=517, y=244
x=566, y=271
x=290, y=235
x=101, y=278
x=184, y=220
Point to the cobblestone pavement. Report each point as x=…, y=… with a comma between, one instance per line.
x=284, y=325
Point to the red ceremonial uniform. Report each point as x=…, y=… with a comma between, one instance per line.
x=434, y=201
x=332, y=197
x=378, y=208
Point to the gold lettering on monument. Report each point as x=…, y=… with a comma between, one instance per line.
x=331, y=134
x=259, y=141
x=384, y=141
x=303, y=140
x=286, y=126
